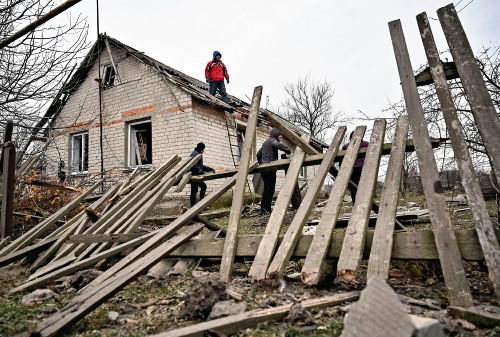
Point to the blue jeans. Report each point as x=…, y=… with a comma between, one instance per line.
x=222, y=89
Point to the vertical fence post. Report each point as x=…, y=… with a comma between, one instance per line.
x=9, y=166
x=7, y=137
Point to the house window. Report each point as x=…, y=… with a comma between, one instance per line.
x=240, y=138
x=109, y=77
x=139, y=144
x=80, y=153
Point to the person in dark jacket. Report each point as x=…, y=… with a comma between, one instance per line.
x=215, y=72
x=356, y=171
x=196, y=170
x=269, y=153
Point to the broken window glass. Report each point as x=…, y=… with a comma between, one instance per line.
x=79, y=152
x=140, y=145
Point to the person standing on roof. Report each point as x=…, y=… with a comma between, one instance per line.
x=196, y=170
x=269, y=153
x=215, y=72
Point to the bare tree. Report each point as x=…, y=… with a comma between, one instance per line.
x=33, y=68
x=309, y=106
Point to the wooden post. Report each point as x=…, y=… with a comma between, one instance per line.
x=451, y=263
x=270, y=239
x=9, y=168
x=482, y=220
x=477, y=94
x=287, y=246
x=380, y=254
x=312, y=269
x=7, y=137
x=226, y=268
x=354, y=240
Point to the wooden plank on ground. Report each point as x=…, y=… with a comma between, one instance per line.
x=285, y=250
x=210, y=225
x=312, y=269
x=60, y=263
x=270, y=240
x=88, y=301
x=91, y=238
x=474, y=315
x=43, y=226
x=27, y=251
x=310, y=160
x=482, y=220
x=50, y=276
x=354, y=240
x=380, y=255
x=232, y=324
x=406, y=246
x=226, y=268
x=451, y=264
x=485, y=114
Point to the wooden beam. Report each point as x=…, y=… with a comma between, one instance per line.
x=290, y=134
x=232, y=324
x=406, y=246
x=226, y=268
x=110, y=54
x=270, y=240
x=470, y=182
x=354, y=241
x=312, y=269
x=380, y=255
x=210, y=225
x=88, y=301
x=91, y=238
x=482, y=107
x=27, y=251
x=53, y=186
x=310, y=160
x=451, y=264
x=481, y=318
x=183, y=182
x=285, y=250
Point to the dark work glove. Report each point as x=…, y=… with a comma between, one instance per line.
x=227, y=81
x=208, y=80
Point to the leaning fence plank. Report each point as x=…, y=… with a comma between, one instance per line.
x=451, y=263
x=275, y=222
x=286, y=248
x=354, y=241
x=43, y=226
x=380, y=255
x=88, y=301
x=27, y=251
x=482, y=220
x=183, y=182
x=226, y=268
x=475, y=88
x=232, y=324
x=312, y=269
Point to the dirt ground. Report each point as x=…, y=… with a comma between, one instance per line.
x=149, y=306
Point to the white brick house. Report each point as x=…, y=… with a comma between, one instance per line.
x=150, y=112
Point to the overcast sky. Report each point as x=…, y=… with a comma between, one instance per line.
x=271, y=43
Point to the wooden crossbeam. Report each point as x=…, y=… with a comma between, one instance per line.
x=380, y=255
x=311, y=271
x=451, y=264
x=470, y=182
x=354, y=241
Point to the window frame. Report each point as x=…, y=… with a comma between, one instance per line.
x=84, y=153
x=129, y=144
x=108, y=76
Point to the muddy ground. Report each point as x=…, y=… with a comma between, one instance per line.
x=148, y=306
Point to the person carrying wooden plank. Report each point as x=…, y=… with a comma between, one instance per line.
x=269, y=153
x=196, y=170
x=358, y=167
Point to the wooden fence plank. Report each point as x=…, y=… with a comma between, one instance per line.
x=270, y=240
x=91, y=238
x=451, y=264
x=286, y=248
x=226, y=268
x=475, y=88
x=312, y=269
x=380, y=256
x=86, y=302
x=354, y=240
x=232, y=324
x=482, y=220
x=27, y=251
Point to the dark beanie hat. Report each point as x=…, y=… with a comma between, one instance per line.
x=199, y=147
